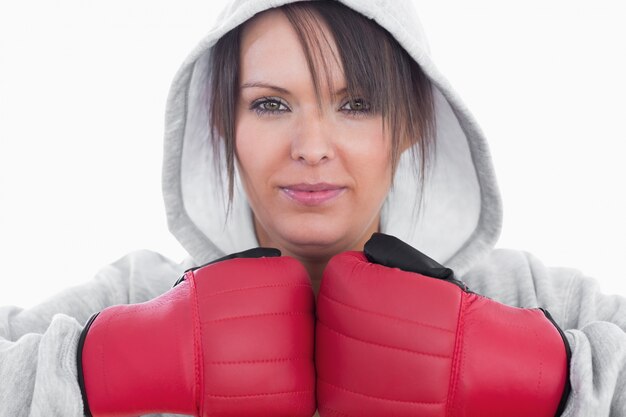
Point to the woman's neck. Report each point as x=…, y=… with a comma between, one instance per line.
x=315, y=270
x=314, y=261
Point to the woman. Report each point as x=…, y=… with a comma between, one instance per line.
x=317, y=126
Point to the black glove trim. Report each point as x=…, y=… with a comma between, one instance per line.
x=390, y=251
x=568, y=354
x=79, y=363
x=250, y=253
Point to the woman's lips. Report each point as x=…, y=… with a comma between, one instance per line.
x=312, y=194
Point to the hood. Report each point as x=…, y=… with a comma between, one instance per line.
x=461, y=216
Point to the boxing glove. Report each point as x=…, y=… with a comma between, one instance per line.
x=398, y=335
x=232, y=338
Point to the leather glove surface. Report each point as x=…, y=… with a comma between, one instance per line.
x=397, y=335
x=232, y=338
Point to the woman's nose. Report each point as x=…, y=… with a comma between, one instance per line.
x=312, y=142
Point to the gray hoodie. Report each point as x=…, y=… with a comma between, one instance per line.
x=458, y=226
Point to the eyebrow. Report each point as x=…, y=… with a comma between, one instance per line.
x=264, y=85
x=281, y=90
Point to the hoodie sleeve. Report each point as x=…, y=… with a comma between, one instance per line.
x=594, y=324
x=38, y=345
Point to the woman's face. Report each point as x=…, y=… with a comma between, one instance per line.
x=315, y=178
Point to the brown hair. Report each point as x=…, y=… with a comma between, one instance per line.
x=374, y=65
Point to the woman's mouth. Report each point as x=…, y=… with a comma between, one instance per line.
x=312, y=194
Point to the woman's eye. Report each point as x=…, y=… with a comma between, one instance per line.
x=356, y=106
x=268, y=105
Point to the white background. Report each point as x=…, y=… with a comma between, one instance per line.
x=83, y=86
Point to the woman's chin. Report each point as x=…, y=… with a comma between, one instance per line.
x=313, y=235
x=316, y=243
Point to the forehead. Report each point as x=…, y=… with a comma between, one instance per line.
x=269, y=28
x=270, y=49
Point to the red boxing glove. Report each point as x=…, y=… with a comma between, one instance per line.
x=232, y=338
x=390, y=342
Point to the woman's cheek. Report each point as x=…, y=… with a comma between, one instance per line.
x=368, y=156
x=251, y=142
